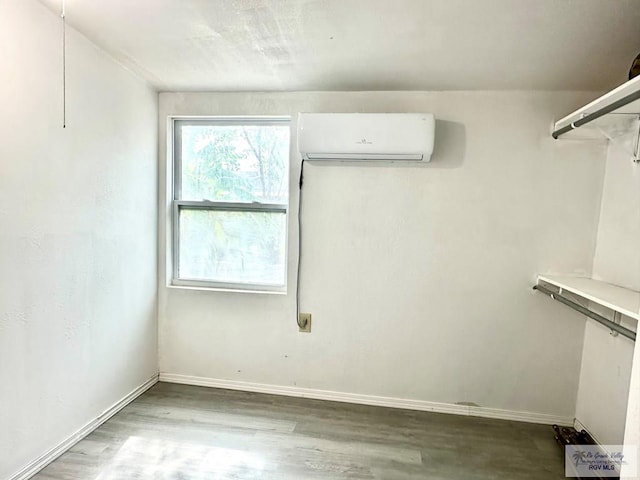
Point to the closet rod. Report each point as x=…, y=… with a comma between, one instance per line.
x=589, y=117
x=585, y=311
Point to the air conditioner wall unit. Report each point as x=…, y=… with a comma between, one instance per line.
x=366, y=136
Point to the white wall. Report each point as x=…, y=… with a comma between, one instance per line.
x=606, y=364
x=419, y=279
x=632, y=427
x=601, y=405
x=77, y=234
x=617, y=256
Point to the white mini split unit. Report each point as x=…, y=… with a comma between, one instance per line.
x=366, y=136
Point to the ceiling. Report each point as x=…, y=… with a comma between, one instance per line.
x=235, y=45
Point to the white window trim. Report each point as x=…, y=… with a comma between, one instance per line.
x=177, y=204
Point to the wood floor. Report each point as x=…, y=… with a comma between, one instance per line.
x=183, y=432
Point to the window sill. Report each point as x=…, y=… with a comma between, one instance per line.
x=224, y=290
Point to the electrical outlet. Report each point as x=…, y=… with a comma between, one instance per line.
x=304, y=322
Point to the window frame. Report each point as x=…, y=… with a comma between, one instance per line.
x=177, y=204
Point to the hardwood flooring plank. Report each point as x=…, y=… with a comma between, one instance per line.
x=195, y=433
x=208, y=417
x=356, y=449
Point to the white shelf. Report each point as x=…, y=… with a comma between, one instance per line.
x=625, y=90
x=608, y=127
x=619, y=299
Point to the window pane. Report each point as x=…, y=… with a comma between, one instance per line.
x=232, y=247
x=235, y=163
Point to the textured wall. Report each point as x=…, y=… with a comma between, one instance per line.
x=606, y=364
x=632, y=427
x=77, y=234
x=419, y=278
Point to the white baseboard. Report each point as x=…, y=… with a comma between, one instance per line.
x=408, y=404
x=46, y=458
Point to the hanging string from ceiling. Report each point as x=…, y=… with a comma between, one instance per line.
x=64, y=67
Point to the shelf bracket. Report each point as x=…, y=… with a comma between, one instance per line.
x=613, y=326
x=635, y=150
x=617, y=320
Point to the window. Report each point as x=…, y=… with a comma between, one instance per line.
x=230, y=198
